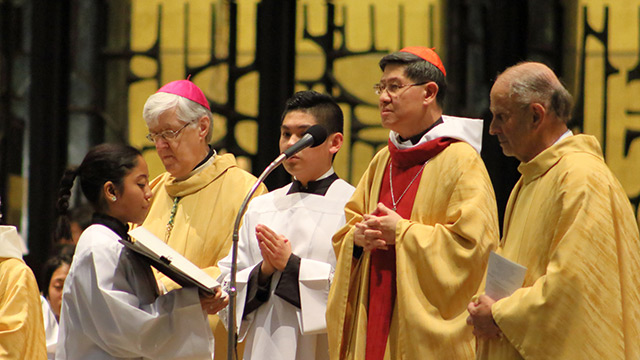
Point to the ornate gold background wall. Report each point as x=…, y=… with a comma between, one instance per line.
x=607, y=82
x=175, y=39
x=338, y=45
x=363, y=31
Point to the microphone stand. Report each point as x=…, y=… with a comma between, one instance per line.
x=231, y=320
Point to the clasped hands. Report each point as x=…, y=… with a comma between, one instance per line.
x=275, y=250
x=481, y=318
x=378, y=229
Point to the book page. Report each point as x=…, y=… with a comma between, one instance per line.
x=152, y=246
x=503, y=277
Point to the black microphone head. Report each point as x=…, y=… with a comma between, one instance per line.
x=319, y=134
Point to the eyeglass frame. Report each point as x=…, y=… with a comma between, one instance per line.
x=165, y=134
x=379, y=88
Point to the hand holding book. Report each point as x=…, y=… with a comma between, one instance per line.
x=211, y=304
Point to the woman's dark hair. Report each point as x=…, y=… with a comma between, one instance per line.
x=105, y=162
x=50, y=266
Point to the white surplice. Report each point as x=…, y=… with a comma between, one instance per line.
x=277, y=329
x=50, y=328
x=111, y=308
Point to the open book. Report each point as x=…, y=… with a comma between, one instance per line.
x=168, y=261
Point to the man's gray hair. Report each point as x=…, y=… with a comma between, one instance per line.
x=186, y=110
x=532, y=87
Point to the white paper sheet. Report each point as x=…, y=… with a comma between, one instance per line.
x=503, y=277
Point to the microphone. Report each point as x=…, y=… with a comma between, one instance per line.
x=314, y=136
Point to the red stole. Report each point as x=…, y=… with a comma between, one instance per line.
x=382, y=280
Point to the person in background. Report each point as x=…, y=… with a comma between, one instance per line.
x=420, y=226
x=21, y=331
x=55, y=272
x=570, y=223
x=285, y=257
x=79, y=219
x=196, y=201
x=111, y=306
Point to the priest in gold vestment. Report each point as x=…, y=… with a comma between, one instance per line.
x=21, y=324
x=195, y=202
x=570, y=223
x=419, y=227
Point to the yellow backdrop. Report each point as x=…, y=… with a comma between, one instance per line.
x=396, y=24
x=606, y=33
x=602, y=50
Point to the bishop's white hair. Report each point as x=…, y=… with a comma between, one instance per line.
x=186, y=110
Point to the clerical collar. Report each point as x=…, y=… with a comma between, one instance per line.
x=112, y=223
x=317, y=187
x=209, y=155
x=565, y=135
x=416, y=138
x=208, y=160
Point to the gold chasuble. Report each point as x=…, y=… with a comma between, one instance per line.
x=441, y=254
x=203, y=218
x=569, y=221
x=21, y=325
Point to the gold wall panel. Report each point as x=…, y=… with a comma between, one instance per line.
x=606, y=68
x=363, y=32
x=190, y=32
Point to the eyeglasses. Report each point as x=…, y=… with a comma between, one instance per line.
x=392, y=89
x=167, y=135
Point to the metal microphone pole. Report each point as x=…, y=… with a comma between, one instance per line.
x=231, y=320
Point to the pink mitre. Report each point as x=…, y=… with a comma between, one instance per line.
x=186, y=89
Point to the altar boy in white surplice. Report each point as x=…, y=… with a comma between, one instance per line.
x=285, y=256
